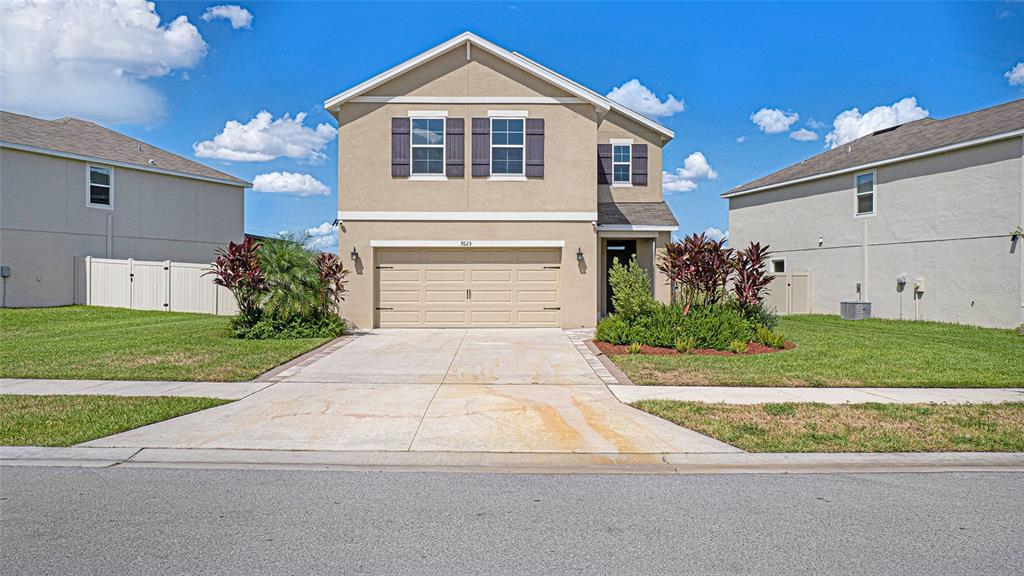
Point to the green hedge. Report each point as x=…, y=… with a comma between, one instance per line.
x=714, y=327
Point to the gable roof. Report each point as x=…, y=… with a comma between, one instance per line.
x=903, y=142
x=513, y=58
x=82, y=140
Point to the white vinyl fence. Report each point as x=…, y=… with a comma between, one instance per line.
x=145, y=285
x=790, y=293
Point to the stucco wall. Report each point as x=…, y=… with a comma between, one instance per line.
x=45, y=223
x=945, y=219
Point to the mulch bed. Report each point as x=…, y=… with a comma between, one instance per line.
x=752, y=348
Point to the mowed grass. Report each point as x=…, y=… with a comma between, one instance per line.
x=835, y=352
x=70, y=420
x=86, y=343
x=793, y=427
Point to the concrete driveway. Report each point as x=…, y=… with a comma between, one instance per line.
x=481, y=390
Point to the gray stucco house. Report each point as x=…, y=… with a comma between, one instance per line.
x=70, y=188
x=924, y=219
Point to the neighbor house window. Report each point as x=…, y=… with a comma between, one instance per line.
x=507, y=137
x=428, y=146
x=101, y=187
x=865, y=193
x=620, y=164
x=778, y=266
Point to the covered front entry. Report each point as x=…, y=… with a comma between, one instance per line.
x=466, y=287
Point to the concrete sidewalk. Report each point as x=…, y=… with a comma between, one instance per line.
x=765, y=395
x=223, y=390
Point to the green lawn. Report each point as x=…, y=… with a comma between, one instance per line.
x=85, y=343
x=70, y=420
x=835, y=352
x=794, y=427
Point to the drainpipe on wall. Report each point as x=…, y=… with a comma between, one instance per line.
x=110, y=235
x=864, y=285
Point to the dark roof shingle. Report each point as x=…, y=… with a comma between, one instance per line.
x=635, y=214
x=74, y=136
x=910, y=138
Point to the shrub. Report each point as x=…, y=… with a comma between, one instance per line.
x=760, y=315
x=631, y=289
x=268, y=327
x=699, y=266
x=738, y=346
x=1020, y=330
x=238, y=269
x=330, y=289
x=661, y=326
x=770, y=337
x=750, y=280
x=684, y=345
x=716, y=327
x=292, y=277
x=614, y=329
x=635, y=348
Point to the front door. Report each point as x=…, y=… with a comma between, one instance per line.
x=623, y=250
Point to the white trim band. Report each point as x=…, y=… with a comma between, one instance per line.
x=465, y=100
x=467, y=243
x=636, y=228
x=107, y=162
x=428, y=113
x=469, y=216
x=508, y=114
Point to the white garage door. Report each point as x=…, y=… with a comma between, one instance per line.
x=437, y=287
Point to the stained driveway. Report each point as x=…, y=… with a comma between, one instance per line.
x=501, y=390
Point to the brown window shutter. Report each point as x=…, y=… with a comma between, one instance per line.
x=639, y=165
x=400, y=147
x=604, y=164
x=481, y=146
x=455, y=147
x=534, y=147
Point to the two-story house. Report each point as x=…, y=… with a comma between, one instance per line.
x=71, y=188
x=922, y=220
x=479, y=188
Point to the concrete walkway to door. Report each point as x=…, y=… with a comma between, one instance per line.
x=433, y=390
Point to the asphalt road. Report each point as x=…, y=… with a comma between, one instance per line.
x=162, y=521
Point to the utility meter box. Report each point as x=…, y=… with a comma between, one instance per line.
x=854, y=310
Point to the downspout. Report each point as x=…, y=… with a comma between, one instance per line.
x=110, y=235
x=864, y=286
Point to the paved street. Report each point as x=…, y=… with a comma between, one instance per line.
x=164, y=521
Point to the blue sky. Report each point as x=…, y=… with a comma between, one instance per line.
x=726, y=61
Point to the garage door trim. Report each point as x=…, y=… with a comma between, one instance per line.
x=468, y=244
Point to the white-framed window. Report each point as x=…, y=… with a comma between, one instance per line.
x=99, y=186
x=508, y=148
x=622, y=164
x=864, y=184
x=427, y=140
x=778, y=266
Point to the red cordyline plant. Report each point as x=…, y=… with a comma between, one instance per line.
x=700, y=266
x=237, y=268
x=331, y=273
x=750, y=280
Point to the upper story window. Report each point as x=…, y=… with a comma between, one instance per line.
x=427, y=146
x=100, y=187
x=621, y=164
x=865, y=184
x=507, y=144
x=778, y=265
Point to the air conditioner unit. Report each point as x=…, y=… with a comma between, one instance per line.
x=854, y=310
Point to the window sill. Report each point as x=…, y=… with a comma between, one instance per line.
x=622, y=185
x=428, y=178
x=507, y=178
x=99, y=206
x=864, y=215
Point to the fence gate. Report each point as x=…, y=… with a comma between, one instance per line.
x=790, y=293
x=148, y=285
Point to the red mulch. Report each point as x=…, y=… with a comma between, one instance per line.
x=752, y=348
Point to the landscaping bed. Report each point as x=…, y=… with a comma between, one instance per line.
x=70, y=420
x=92, y=343
x=798, y=427
x=610, y=349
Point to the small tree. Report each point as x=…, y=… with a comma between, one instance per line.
x=699, y=266
x=631, y=289
x=331, y=287
x=237, y=268
x=751, y=278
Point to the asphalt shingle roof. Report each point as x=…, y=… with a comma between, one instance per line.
x=74, y=136
x=910, y=138
x=635, y=214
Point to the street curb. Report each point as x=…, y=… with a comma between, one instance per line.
x=515, y=463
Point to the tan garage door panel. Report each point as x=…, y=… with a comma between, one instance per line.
x=468, y=287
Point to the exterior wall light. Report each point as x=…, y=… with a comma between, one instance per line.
x=579, y=254
x=354, y=254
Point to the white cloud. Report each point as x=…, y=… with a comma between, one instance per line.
x=90, y=58
x=1015, y=75
x=815, y=124
x=741, y=139
x=684, y=179
x=289, y=183
x=238, y=16
x=636, y=96
x=322, y=238
x=773, y=120
x=851, y=124
x=715, y=234
x=264, y=138
x=803, y=135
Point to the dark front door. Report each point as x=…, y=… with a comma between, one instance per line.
x=623, y=250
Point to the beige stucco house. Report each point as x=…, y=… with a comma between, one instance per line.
x=70, y=188
x=922, y=220
x=479, y=188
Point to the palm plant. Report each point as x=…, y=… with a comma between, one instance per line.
x=292, y=278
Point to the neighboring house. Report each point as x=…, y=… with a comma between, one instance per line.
x=934, y=203
x=70, y=188
x=479, y=188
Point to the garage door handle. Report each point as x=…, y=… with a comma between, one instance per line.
x=469, y=294
x=552, y=267
x=385, y=267
x=379, y=308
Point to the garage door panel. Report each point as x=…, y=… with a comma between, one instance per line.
x=549, y=257
x=445, y=275
x=491, y=317
x=544, y=296
x=399, y=317
x=537, y=317
x=490, y=296
x=403, y=275
x=527, y=275
x=492, y=256
x=400, y=256
x=444, y=256
x=445, y=317
x=504, y=275
x=391, y=296
x=432, y=295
